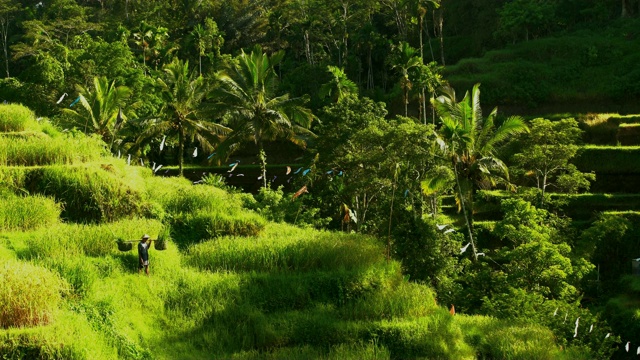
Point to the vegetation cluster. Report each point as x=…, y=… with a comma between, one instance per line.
x=387, y=216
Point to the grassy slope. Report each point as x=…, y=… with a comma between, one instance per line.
x=579, y=71
x=283, y=292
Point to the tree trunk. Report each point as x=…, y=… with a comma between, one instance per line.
x=625, y=12
x=263, y=164
x=406, y=102
x=464, y=211
x=440, y=26
x=180, y=148
x=4, y=23
x=393, y=194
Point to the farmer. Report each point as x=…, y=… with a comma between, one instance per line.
x=143, y=254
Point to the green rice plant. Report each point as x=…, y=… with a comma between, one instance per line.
x=88, y=192
x=69, y=337
x=196, y=296
x=27, y=212
x=189, y=228
x=501, y=339
x=609, y=159
x=272, y=292
x=405, y=300
x=359, y=351
x=14, y=117
x=178, y=195
x=29, y=294
x=436, y=336
x=80, y=272
x=37, y=150
x=66, y=240
x=286, y=248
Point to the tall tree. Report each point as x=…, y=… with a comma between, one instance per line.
x=182, y=116
x=246, y=92
x=404, y=60
x=7, y=10
x=103, y=108
x=469, y=141
x=546, y=154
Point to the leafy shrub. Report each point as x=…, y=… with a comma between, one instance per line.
x=28, y=295
x=28, y=212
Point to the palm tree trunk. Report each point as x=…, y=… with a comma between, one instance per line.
x=393, y=194
x=263, y=164
x=180, y=147
x=464, y=211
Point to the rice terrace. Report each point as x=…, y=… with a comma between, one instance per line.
x=343, y=179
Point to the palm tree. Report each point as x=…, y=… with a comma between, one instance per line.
x=246, y=94
x=103, y=106
x=182, y=93
x=469, y=140
x=405, y=59
x=339, y=87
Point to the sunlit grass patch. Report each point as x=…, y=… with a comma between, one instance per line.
x=29, y=294
x=14, y=117
x=271, y=292
x=45, y=150
x=70, y=337
x=189, y=228
x=286, y=248
x=67, y=240
x=88, y=192
x=502, y=339
x=357, y=351
x=27, y=212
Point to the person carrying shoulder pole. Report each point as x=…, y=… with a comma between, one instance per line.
x=143, y=254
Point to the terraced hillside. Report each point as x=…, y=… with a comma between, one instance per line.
x=230, y=284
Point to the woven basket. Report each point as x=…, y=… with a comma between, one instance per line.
x=125, y=246
x=160, y=244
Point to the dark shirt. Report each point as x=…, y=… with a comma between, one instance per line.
x=143, y=252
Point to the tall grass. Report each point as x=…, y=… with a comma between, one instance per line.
x=88, y=192
x=15, y=117
x=178, y=195
x=200, y=225
x=501, y=339
x=28, y=212
x=44, y=150
x=68, y=240
x=272, y=292
x=286, y=248
x=29, y=295
x=358, y=351
x=70, y=337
